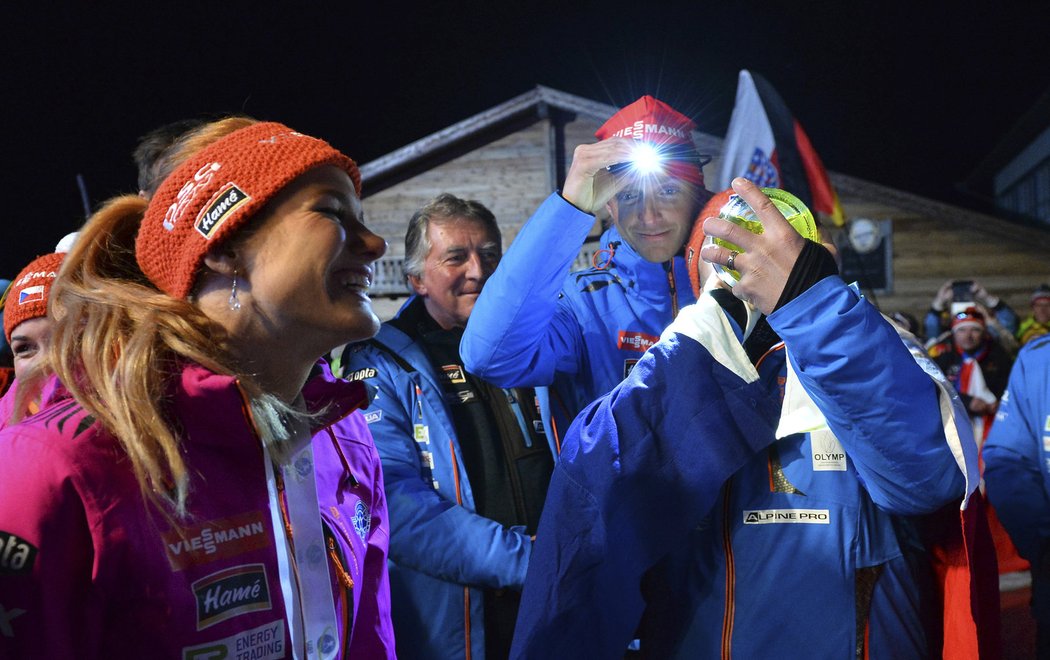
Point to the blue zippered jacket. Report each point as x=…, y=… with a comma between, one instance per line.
x=788, y=548
x=535, y=324
x=1017, y=452
x=442, y=553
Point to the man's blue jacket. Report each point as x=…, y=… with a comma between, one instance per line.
x=762, y=547
x=1017, y=452
x=442, y=554
x=534, y=326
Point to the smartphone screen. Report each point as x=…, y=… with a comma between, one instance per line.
x=961, y=291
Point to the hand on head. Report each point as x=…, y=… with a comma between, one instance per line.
x=588, y=184
x=768, y=258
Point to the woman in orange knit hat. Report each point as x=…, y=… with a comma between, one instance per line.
x=196, y=482
x=28, y=331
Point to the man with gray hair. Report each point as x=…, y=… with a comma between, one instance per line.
x=466, y=463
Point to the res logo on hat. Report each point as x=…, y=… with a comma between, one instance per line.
x=261, y=158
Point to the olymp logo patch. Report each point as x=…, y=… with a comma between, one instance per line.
x=828, y=455
x=773, y=516
x=266, y=642
x=16, y=555
x=222, y=204
x=231, y=592
x=215, y=539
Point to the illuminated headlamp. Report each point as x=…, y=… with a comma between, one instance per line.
x=648, y=158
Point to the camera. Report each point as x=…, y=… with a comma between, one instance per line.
x=961, y=291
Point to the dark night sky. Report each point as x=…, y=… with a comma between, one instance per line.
x=904, y=96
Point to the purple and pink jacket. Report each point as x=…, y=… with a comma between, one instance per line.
x=88, y=570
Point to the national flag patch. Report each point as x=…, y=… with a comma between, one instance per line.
x=31, y=294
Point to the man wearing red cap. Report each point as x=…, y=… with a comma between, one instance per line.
x=741, y=473
x=535, y=324
x=977, y=365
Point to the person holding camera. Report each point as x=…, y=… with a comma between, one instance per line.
x=976, y=364
x=954, y=297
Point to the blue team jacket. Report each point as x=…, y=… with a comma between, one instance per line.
x=535, y=324
x=442, y=554
x=1017, y=451
x=792, y=547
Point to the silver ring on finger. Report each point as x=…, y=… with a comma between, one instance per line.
x=731, y=262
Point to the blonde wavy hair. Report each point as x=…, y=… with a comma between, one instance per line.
x=117, y=340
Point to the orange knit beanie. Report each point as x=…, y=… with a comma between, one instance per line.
x=215, y=193
x=26, y=298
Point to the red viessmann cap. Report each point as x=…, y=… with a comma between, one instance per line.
x=651, y=120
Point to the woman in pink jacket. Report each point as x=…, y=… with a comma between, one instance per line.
x=196, y=484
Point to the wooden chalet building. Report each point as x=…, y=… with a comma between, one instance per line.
x=513, y=155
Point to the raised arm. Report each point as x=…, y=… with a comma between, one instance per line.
x=639, y=469
x=519, y=334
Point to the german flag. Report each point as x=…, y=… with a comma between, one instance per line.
x=767, y=145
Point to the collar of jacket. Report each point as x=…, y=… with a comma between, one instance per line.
x=648, y=280
x=216, y=398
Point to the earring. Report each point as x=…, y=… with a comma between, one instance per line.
x=233, y=302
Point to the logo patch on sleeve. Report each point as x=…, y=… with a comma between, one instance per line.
x=222, y=204
x=16, y=555
x=231, y=592
x=265, y=642
x=373, y=416
x=215, y=539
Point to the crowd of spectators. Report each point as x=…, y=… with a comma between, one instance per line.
x=636, y=458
